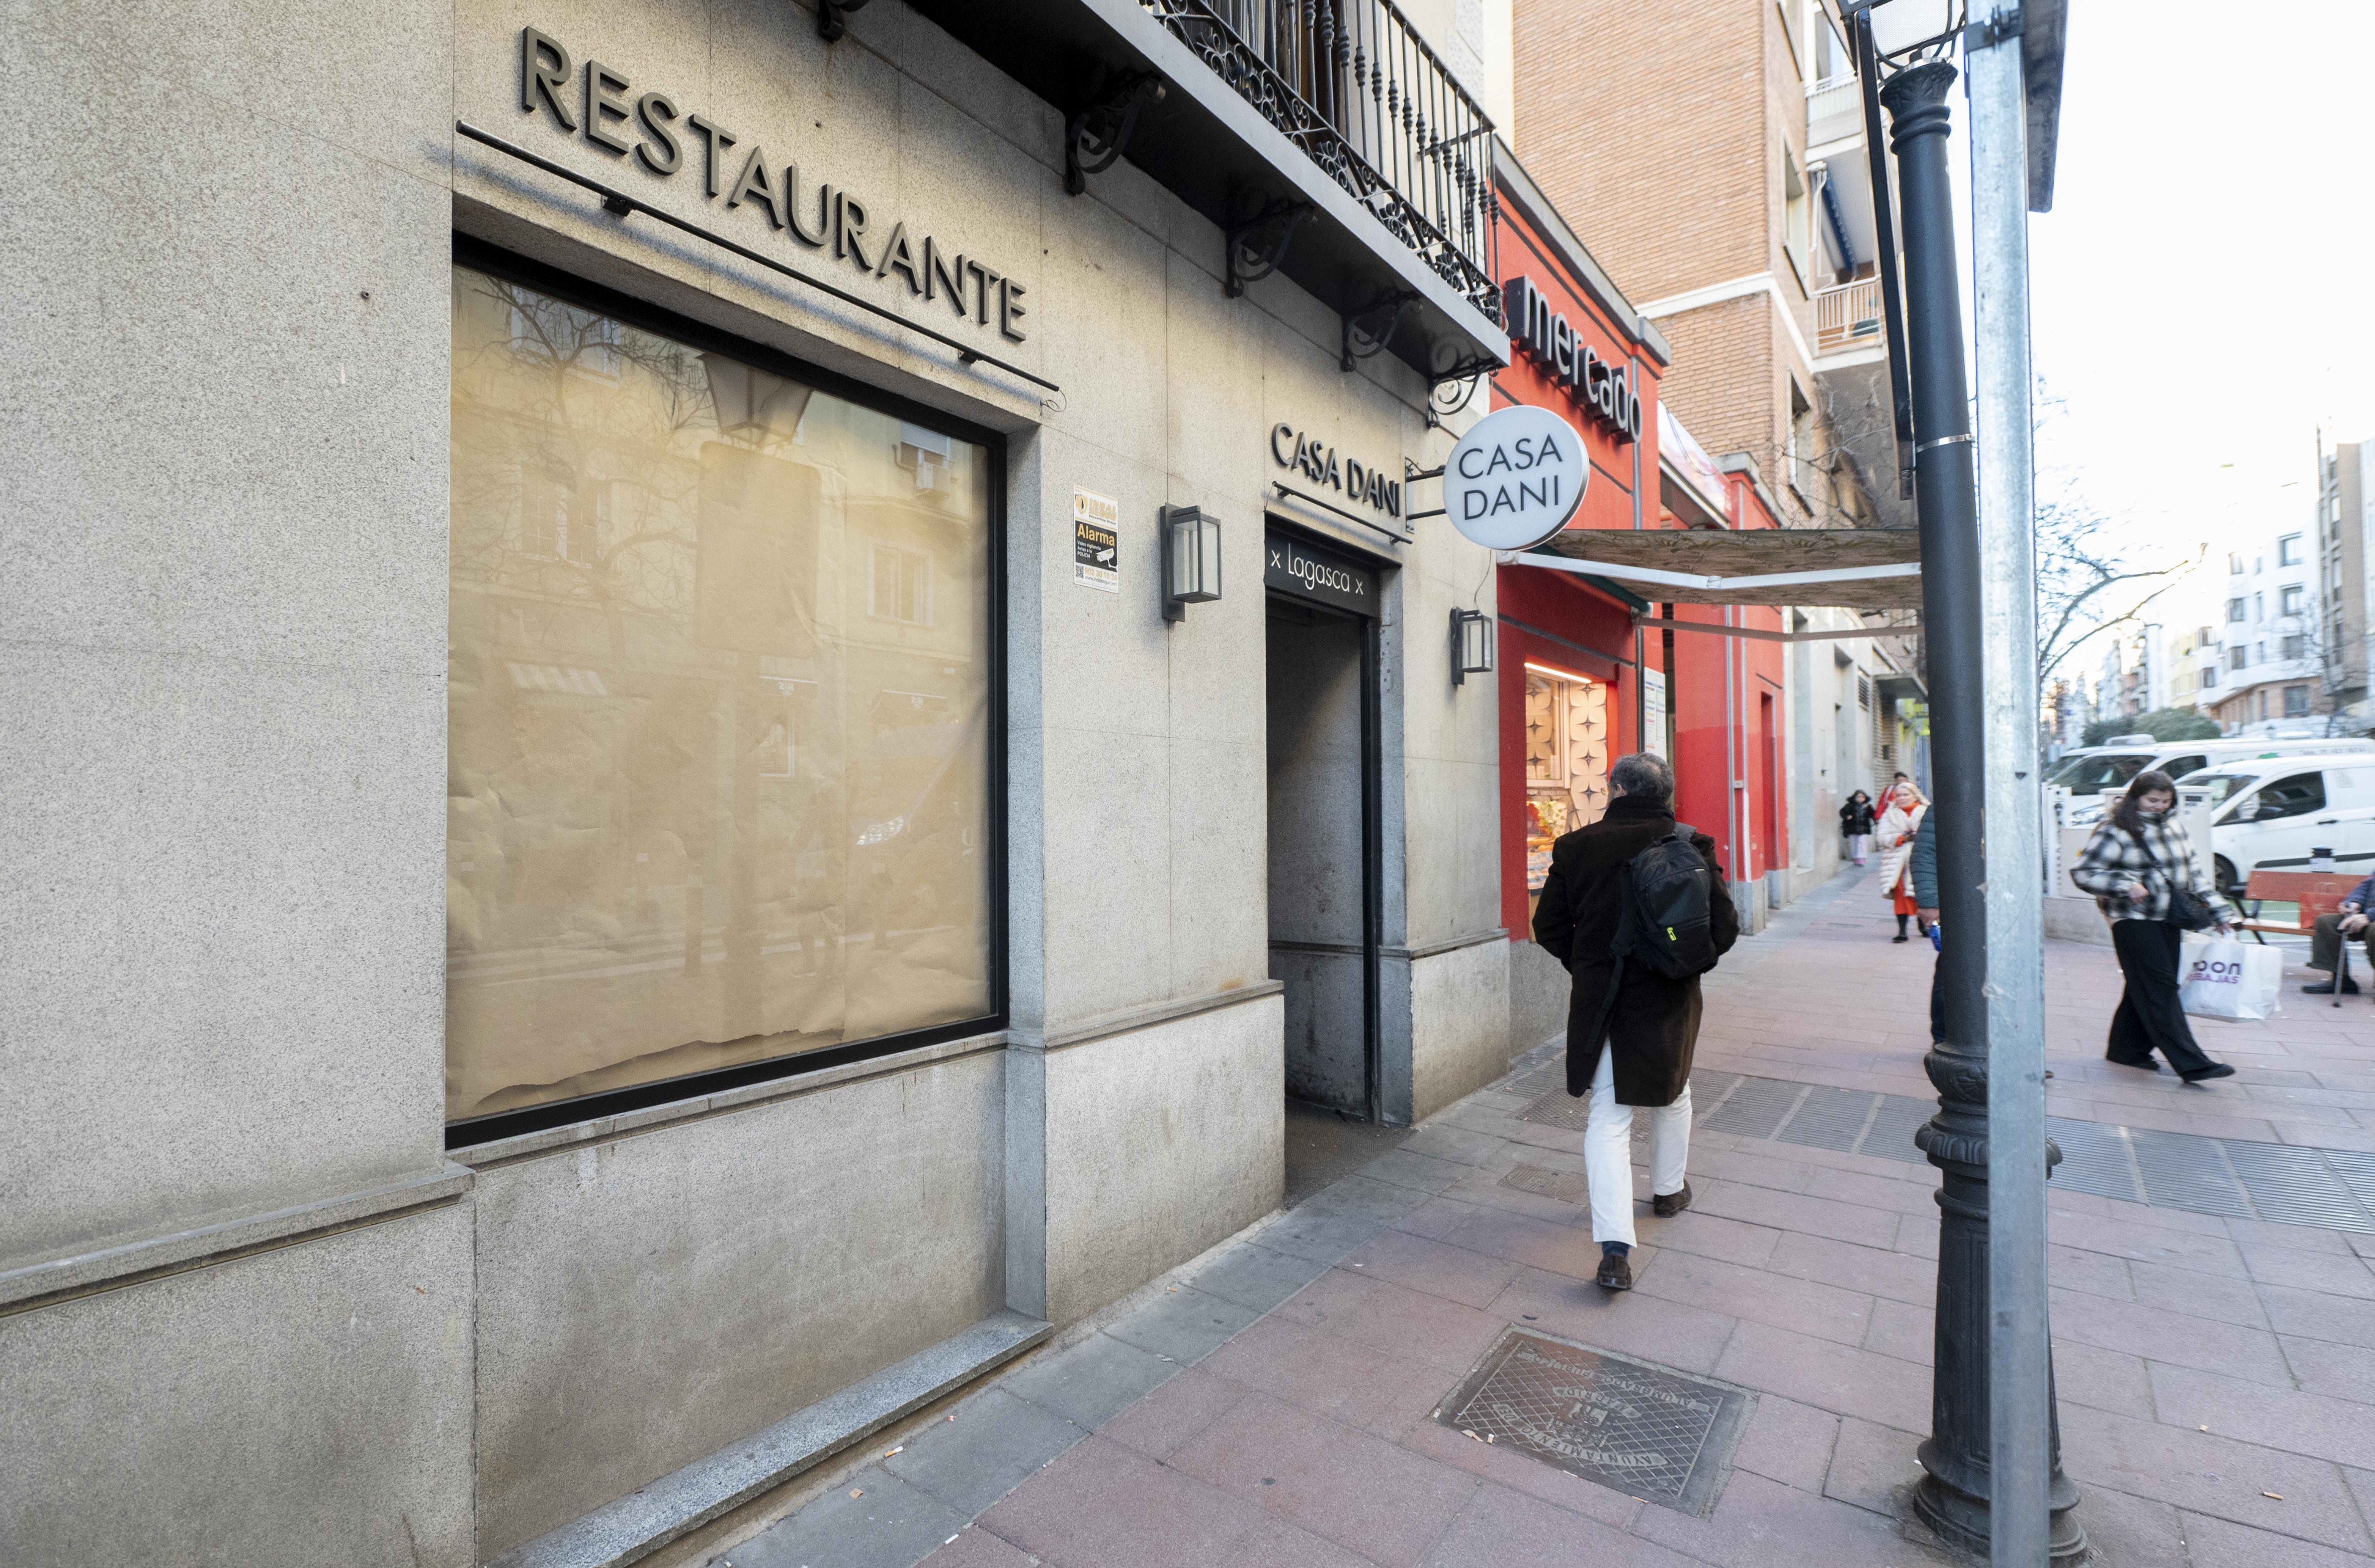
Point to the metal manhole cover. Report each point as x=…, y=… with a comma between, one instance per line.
x=1567, y=1186
x=1648, y=1433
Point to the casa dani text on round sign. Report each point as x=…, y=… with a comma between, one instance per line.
x=1516, y=479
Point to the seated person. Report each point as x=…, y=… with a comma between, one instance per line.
x=2326, y=941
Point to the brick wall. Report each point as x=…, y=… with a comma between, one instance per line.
x=1656, y=128
x=1643, y=121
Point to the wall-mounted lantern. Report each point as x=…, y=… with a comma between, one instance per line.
x=1472, y=645
x=1191, y=560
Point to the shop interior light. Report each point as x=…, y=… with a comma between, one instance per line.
x=1472, y=645
x=1191, y=560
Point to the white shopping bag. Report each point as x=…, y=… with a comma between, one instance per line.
x=2219, y=977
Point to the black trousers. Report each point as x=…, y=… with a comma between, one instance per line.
x=2149, y=1018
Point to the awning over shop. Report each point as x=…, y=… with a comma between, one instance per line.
x=1855, y=569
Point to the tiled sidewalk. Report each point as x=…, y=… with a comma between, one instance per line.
x=1822, y=996
x=1271, y=1406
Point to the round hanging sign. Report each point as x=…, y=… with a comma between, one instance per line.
x=1516, y=479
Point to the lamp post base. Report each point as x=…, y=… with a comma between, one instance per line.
x=1952, y=1496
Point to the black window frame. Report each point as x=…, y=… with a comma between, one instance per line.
x=481, y=257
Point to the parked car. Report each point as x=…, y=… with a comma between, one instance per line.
x=2271, y=813
x=2100, y=771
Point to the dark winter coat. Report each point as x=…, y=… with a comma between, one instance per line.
x=1925, y=864
x=1857, y=816
x=1654, y=1025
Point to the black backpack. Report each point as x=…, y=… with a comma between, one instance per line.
x=1668, y=888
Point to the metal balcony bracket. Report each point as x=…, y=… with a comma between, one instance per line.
x=1450, y=389
x=1257, y=247
x=833, y=17
x=1412, y=474
x=1370, y=328
x=1097, y=134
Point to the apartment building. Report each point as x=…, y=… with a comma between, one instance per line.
x=2194, y=655
x=2134, y=673
x=2271, y=683
x=2345, y=534
x=1746, y=228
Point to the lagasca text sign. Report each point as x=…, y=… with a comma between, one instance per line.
x=601, y=104
x=1516, y=479
x=1289, y=566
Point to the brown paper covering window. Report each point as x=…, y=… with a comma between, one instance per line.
x=718, y=712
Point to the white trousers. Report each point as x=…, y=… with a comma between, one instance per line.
x=1608, y=1152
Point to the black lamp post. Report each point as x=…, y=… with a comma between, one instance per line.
x=1951, y=1497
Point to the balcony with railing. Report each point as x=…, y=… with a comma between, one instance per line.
x=1325, y=138
x=1847, y=317
x=1834, y=110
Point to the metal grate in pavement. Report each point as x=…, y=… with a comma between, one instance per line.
x=2356, y=1169
x=2094, y=1158
x=1890, y=1137
x=1829, y=1118
x=1558, y=1108
x=2182, y=1171
x=1646, y=1431
x=2334, y=1188
x=2284, y=1179
x=1754, y=1107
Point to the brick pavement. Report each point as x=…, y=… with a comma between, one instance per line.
x=1822, y=996
x=1270, y=1406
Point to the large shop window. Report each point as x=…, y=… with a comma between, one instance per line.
x=1566, y=763
x=720, y=771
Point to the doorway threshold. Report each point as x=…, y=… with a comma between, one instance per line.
x=1325, y=1145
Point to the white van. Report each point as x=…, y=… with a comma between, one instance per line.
x=2273, y=813
x=2100, y=771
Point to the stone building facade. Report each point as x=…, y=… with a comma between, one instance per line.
x=708, y=714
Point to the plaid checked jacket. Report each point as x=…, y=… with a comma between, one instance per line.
x=2160, y=857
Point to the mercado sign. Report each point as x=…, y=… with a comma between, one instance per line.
x=1607, y=391
x=601, y=104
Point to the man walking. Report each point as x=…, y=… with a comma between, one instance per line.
x=2327, y=938
x=1651, y=1025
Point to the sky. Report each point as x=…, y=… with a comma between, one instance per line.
x=2203, y=292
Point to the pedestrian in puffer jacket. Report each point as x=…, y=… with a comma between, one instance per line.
x=1856, y=819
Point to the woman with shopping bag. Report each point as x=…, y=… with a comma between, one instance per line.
x=1894, y=838
x=2140, y=866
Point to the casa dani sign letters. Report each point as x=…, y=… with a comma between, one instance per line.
x=600, y=104
x=1317, y=461
x=1605, y=389
x=1515, y=478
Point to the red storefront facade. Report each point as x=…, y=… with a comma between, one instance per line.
x=1581, y=680
x=1574, y=674
x=1731, y=708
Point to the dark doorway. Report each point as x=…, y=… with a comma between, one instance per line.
x=1323, y=882
x=1326, y=854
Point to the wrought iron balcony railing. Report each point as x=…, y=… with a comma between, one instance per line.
x=1325, y=140
x=1356, y=88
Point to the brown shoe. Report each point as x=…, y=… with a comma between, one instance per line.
x=1665, y=1206
x=1615, y=1271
